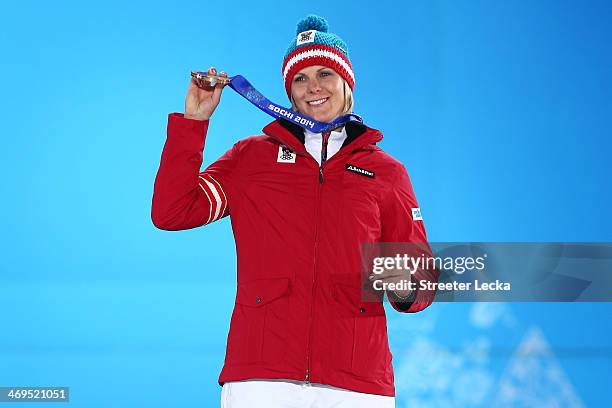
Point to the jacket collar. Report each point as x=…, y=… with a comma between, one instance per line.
x=288, y=133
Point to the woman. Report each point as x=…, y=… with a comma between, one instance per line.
x=301, y=205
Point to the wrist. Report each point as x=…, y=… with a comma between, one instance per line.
x=195, y=117
x=402, y=294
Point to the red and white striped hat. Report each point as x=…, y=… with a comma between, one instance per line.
x=313, y=45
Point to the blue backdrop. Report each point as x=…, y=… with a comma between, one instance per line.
x=499, y=110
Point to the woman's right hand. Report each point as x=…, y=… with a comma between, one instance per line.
x=200, y=103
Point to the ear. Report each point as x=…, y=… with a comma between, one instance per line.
x=293, y=105
x=346, y=104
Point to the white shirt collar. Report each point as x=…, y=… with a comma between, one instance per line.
x=335, y=134
x=314, y=141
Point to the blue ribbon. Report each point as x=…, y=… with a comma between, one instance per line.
x=239, y=84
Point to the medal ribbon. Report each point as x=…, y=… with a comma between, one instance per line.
x=240, y=84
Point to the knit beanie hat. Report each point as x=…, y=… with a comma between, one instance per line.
x=313, y=45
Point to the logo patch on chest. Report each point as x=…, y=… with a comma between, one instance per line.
x=285, y=155
x=359, y=170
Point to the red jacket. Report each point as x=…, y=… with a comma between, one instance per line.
x=298, y=229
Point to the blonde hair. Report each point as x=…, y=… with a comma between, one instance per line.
x=348, y=100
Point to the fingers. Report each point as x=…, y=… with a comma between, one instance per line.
x=202, y=95
x=194, y=85
x=389, y=275
x=223, y=74
x=213, y=71
x=218, y=88
x=202, y=84
x=206, y=85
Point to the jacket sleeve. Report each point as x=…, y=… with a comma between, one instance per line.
x=402, y=223
x=184, y=197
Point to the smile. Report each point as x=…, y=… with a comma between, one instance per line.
x=318, y=101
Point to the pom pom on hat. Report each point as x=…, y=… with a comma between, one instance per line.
x=314, y=45
x=312, y=22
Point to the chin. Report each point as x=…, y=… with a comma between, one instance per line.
x=323, y=117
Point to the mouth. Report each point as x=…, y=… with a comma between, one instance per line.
x=317, y=102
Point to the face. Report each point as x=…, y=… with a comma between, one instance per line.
x=318, y=92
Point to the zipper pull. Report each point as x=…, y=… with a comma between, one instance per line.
x=320, y=175
x=325, y=139
x=307, y=375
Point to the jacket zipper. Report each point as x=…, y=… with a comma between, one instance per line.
x=314, y=273
x=336, y=157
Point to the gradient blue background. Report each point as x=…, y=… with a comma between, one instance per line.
x=500, y=112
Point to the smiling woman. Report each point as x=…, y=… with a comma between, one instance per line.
x=302, y=205
x=321, y=93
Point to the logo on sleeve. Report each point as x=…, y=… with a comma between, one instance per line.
x=285, y=155
x=416, y=214
x=305, y=37
x=359, y=170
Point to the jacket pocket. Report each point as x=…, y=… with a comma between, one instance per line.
x=260, y=292
x=370, y=356
x=350, y=302
x=257, y=331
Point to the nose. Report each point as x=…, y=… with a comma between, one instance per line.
x=313, y=86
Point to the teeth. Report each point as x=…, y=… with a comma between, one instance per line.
x=317, y=102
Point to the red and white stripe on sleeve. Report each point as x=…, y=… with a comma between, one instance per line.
x=216, y=196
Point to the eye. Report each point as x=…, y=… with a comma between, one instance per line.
x=325, y=73
x=298, y=78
